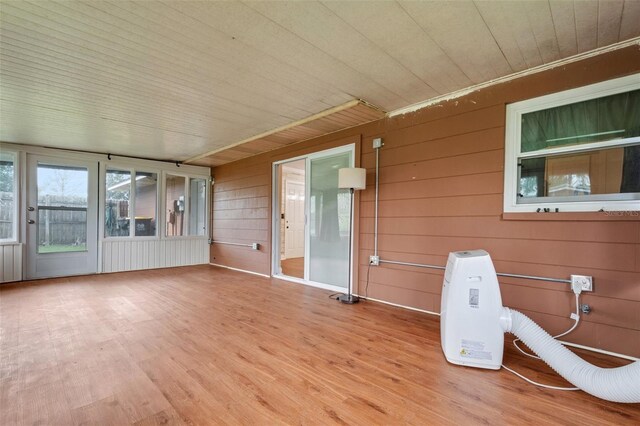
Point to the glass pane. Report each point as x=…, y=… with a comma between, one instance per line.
x=62, y=230
x=116, y=206
x=7, y=196
x=62, y=186
x=291, y=181
x=607, y=171
x=329, y=225
x=595, y=120
x=62, y=208
x=197, y=207
x=175, y=205
x=146, y=202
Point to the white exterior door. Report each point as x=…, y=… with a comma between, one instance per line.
x=294, y=220
x=62, y=212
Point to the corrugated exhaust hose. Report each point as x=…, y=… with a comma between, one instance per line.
x=620, y=384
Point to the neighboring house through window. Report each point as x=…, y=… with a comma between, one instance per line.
x=130, y=210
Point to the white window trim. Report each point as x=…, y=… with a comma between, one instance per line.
x=187, y=201
x=162, y=170
x=133, y=171
x=16, y=200
x=512, y=146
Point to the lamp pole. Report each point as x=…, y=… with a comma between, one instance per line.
x=349, y=298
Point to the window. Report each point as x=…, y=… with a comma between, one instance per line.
x=130, y=210
x=197, y=207
x=116, y=217
x=185, y=206
x=146, y=202
x=63, y=200
x=8, y=196
x=577, y=150
x=175, y=205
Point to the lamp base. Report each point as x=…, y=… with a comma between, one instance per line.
x=349, y=299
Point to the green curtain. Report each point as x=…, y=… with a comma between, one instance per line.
x=541, y=129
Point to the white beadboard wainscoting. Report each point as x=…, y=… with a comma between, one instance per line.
x=10, y=262
x=129, y=255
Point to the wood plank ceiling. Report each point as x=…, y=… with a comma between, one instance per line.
x=174, y=80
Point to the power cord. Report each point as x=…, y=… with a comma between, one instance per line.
x=577, y=289
x=574, y=316
x=536, y=383
x=366, y=288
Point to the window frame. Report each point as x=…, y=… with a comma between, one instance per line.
x=513, y=154
x=16, y=201
x=187, y=204
x=205, y=231
x=133, y=170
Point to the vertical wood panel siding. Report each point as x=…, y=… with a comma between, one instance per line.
x=441, y=190
x=118, y=256
x=10, y=262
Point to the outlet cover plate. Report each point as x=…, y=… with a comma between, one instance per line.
x=585, y=281
x=374, y=260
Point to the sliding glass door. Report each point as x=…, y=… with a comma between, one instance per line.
x=329, y=222
x=325, y=223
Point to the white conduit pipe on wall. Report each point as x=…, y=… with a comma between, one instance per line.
x=620, y=384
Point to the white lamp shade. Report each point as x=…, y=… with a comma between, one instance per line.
x=355, y=178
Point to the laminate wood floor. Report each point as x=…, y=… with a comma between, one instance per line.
x=293, y=267
x=204, y=345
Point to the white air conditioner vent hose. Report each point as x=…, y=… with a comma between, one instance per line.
x=620, y=384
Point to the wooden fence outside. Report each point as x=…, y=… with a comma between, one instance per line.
x=55, y=227
x=62, y=227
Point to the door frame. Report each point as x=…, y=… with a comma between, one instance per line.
x=31, y=232
x=276, y=195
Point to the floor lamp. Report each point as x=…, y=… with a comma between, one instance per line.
x=352, y=179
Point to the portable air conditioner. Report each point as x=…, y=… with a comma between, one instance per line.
x=473, y=324
x=470, y=329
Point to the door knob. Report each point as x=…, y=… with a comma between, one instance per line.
x=31, y=221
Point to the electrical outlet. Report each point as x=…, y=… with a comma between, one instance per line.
x=374, y=260
x=585, y=281
x=255, y=246
x=377, y=143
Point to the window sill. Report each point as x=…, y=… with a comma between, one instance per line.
x=611, y=216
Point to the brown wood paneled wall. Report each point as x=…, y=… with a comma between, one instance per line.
x=441, y=190
x=242, y=202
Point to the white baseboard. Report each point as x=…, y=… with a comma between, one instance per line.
x=573, y=345
x=400, y=306
x=311, y=283
x=600, y=351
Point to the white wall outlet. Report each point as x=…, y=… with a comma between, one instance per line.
x=377, y=143
x=585, y=281
x=374, y=260
x=255, y=246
